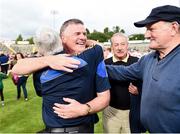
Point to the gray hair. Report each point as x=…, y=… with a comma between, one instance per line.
x=47, y=41
x=120, y=35
x=69, y=22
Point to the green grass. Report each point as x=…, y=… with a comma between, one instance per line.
x=19, y=116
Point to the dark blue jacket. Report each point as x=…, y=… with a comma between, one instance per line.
x=82, y=85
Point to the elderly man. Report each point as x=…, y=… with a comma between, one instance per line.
x=159, y=71
x=116, y=115
x=77, y=96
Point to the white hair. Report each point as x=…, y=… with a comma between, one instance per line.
x=47, y=41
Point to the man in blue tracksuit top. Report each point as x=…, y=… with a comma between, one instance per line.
x=80, y=85
x=72, y=96
x=159, y=70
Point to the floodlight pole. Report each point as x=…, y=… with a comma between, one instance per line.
x=54, y=12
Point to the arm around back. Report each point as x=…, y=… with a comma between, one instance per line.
x=57, y=62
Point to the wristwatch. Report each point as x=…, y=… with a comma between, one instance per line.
x=89, y=108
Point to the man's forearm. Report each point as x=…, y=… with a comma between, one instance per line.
x=29, y=65
x=58, y=62
x=100, y=102
x=76, y=109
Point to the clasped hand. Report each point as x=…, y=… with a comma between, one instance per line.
x=73, y=109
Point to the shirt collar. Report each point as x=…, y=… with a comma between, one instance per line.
x=157, y=52
x=124, y=60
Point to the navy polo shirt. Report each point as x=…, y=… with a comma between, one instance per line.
x=82, y=85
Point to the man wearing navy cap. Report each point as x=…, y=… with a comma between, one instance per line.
x=159, y=71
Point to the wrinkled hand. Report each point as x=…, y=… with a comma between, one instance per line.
x=133, y=89
x=62, y=62
x=72, y=110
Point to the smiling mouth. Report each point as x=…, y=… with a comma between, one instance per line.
x=81, y=44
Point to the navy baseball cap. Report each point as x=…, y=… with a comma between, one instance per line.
x=167, y=13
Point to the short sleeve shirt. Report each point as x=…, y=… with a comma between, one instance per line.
x=82, y=85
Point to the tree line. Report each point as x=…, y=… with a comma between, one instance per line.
x=96, y=35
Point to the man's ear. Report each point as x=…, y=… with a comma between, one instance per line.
x=175, y=27
x=63, y=39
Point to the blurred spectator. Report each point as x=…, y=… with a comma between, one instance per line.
x=2, y=76
x=12, y=61
x=4, y=62
x=21, y=81
x=107, y=52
